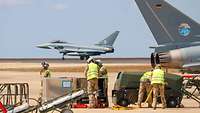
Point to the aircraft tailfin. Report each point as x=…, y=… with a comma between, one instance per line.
x=109, y=41
x=168, y=24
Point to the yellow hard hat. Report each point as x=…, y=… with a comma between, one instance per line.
x=90, y=59
x=45, y=64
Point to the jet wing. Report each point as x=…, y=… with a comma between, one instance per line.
x=78, y=50
x=89, y=51
x=83, y=53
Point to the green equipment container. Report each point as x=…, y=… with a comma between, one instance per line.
x=126, y=89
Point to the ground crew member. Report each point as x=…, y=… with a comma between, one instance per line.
x=145, y=86
x=158, y=83
x=102, y=69
x=103, y=74
x=45, y=70
x=91, y=73
x=45, y=73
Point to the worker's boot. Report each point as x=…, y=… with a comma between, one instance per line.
x=154, y=106
x=163, y=106
x=150, y=106
x=163, y=102
x=139, y=105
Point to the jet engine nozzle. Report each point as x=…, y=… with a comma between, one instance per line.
x=171, y=59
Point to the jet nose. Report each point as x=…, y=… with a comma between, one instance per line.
x=43, y=46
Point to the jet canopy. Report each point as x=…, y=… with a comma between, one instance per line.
x=59, y=41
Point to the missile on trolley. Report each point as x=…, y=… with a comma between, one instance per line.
x=61, y=100
x=19, y=108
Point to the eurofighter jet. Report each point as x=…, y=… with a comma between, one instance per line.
x=84, y=51
x=177, y=35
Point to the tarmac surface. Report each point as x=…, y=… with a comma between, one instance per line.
x=22, y=75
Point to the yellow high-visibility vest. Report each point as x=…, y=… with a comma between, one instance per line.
x=146, y=76
x=158, y=77
x=92, y=71
x=47, y=73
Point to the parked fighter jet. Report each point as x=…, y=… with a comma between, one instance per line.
x=177, y=35
x=70, y=49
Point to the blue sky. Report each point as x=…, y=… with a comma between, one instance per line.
x=26, y=23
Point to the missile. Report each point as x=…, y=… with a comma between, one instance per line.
x=19, y=108
x=61, y=100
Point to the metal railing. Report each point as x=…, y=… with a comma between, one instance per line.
x=14, y=93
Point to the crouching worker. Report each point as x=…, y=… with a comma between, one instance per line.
x=145, y=86
x=91, y=73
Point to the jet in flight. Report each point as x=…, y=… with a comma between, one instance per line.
x=85, y=51
x=177, y=35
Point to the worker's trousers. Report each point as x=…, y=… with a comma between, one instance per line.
x=159, y=89
x=92, y=91
x=144, y=87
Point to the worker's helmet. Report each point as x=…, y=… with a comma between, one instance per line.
x=90, y=59
x=44, y=64
x=158, y=66
x=99, y=62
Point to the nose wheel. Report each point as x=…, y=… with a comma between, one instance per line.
x=87, y=57
x=84, y=57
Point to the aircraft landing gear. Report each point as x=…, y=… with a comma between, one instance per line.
x=63, y=57
x=84, y=57
x=87, y=57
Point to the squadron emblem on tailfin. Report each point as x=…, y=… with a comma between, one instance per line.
x=184, y=29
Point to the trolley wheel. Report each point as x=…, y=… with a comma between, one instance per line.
x=172, y=102
x=66, y=111
x=124, y=102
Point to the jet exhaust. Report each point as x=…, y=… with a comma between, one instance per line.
x=171, y=59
